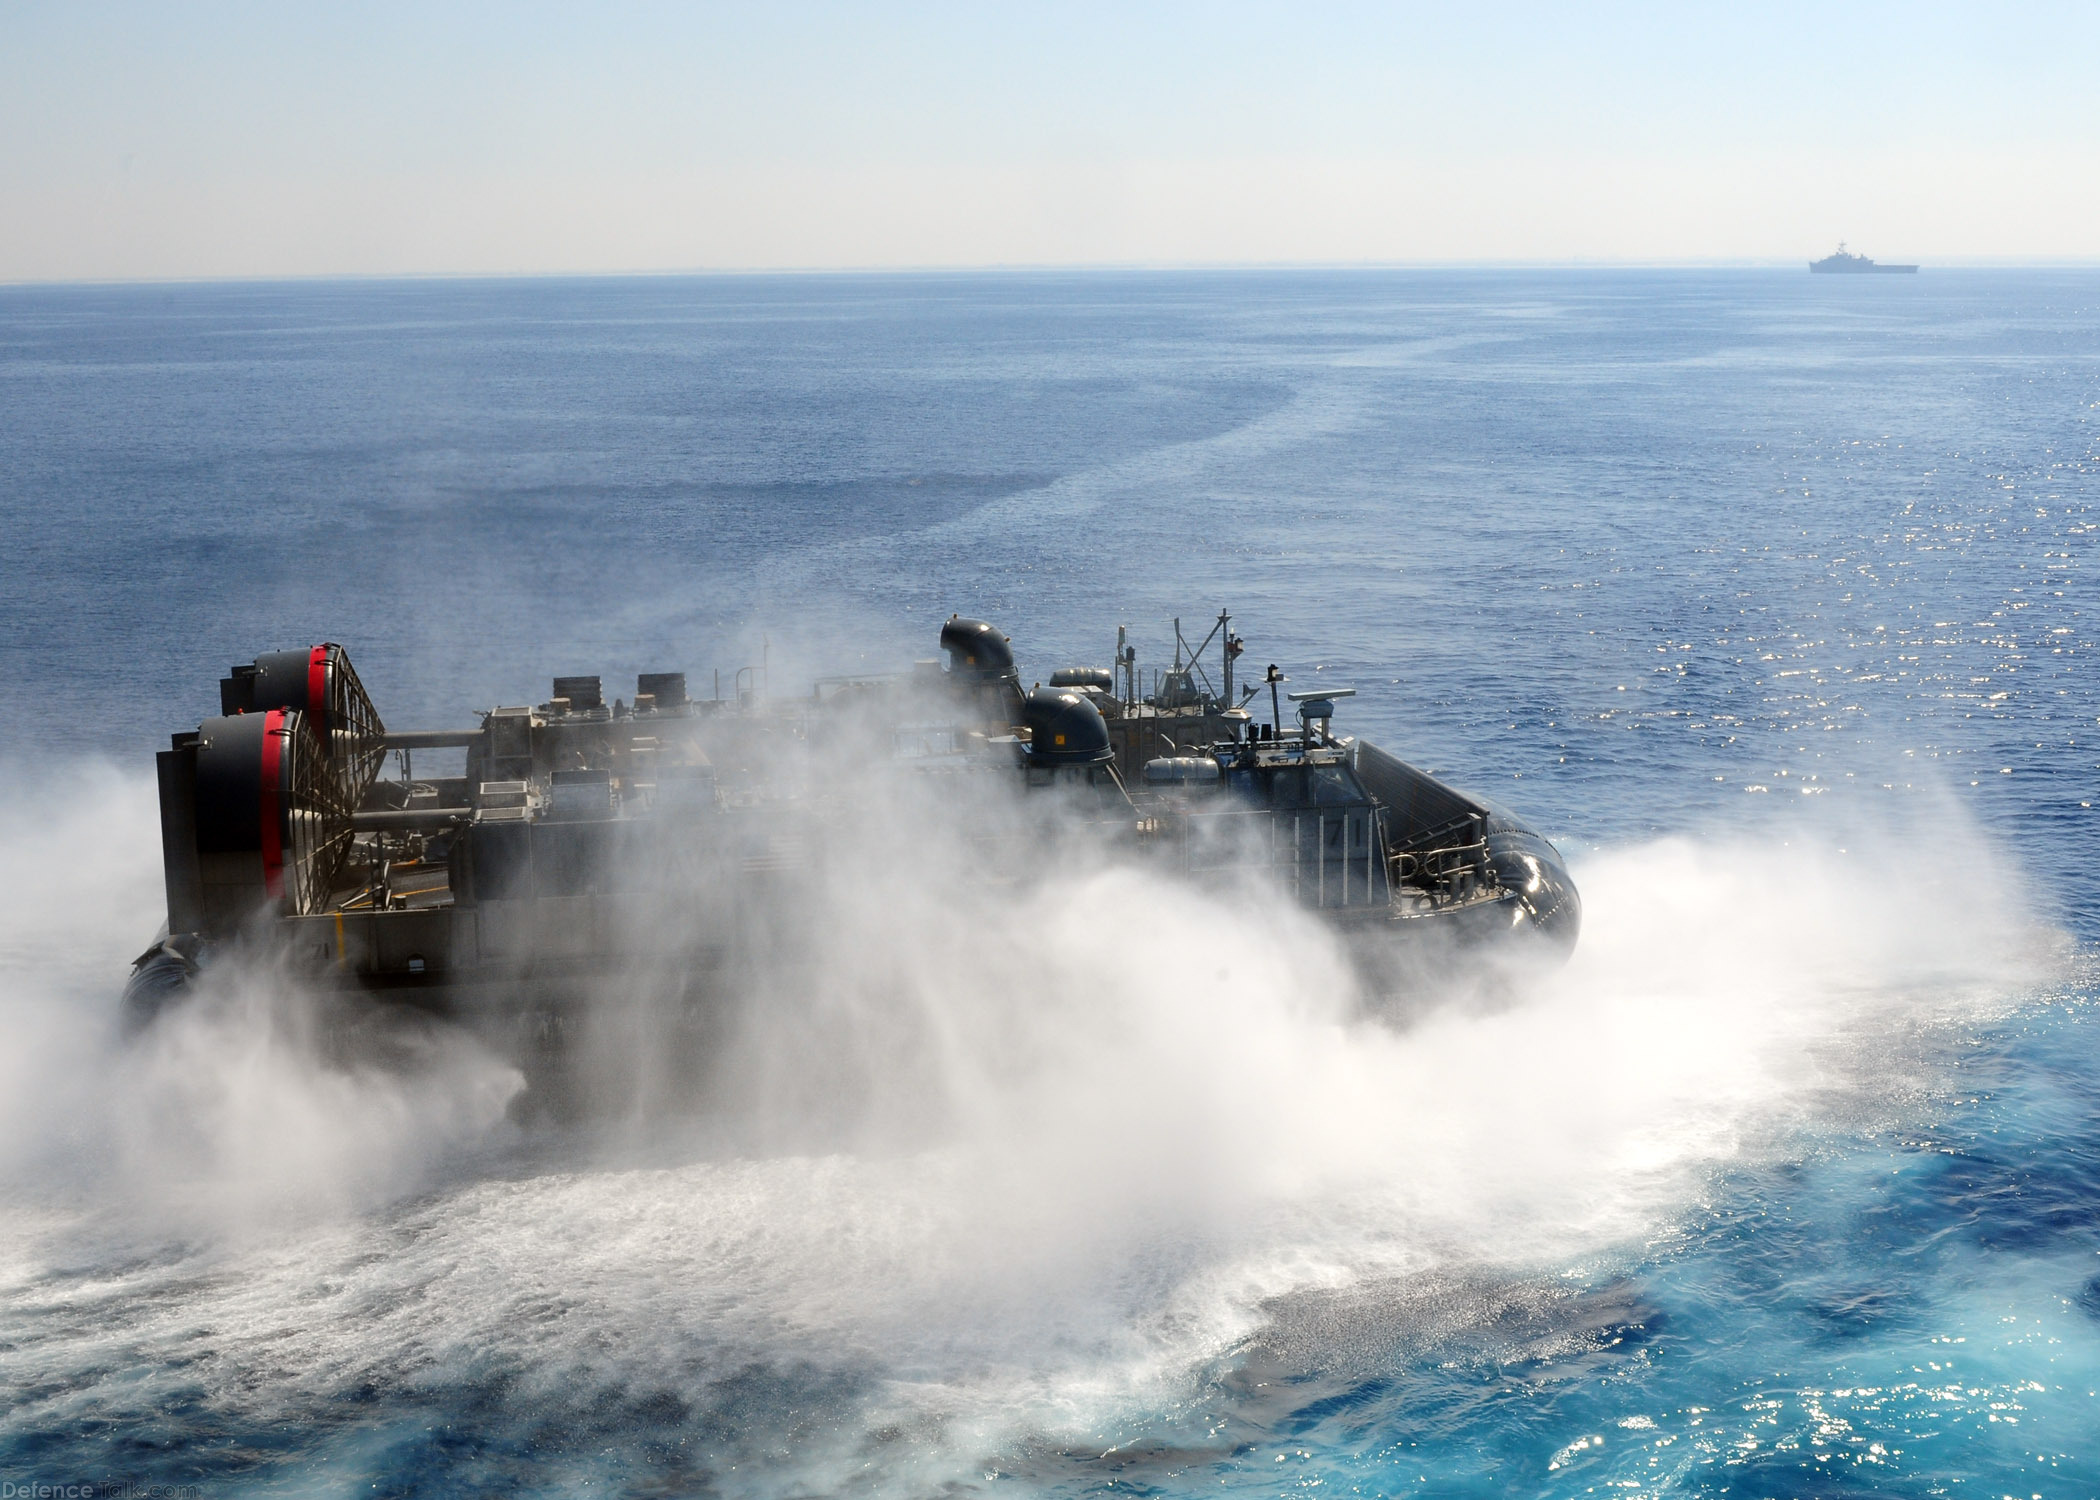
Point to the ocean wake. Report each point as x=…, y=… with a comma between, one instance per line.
x=1008, y=1170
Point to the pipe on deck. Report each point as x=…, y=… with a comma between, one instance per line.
x=428, y=739
x=408, y=819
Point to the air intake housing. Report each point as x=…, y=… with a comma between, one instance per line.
x=1064, y=729
x=665, y=689
x=582, y=693
x=976, y=649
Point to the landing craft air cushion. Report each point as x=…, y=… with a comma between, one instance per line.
x=580, y=831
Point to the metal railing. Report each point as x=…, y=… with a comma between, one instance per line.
x=1448, y=863
x=1331, y=858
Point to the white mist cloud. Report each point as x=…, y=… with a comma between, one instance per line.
x=1009, y=1155
x=229, y=1115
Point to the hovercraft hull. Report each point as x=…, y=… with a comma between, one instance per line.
x=593, y=852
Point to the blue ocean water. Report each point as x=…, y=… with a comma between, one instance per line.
x=1763, y=594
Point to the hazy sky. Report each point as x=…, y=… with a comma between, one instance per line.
x=172, y=140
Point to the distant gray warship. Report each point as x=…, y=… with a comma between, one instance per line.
x=1843, y=263
x=587, y=837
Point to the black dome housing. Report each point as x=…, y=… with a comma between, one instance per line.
x=976, y=649
x=1065, y=729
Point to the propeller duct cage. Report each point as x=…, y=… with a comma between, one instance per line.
x=323, y=688
x=271, y=824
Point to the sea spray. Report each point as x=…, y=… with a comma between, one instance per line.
x=234, y=1108
x=997, y=1165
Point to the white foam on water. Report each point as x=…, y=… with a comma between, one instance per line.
x=1018, y=1161
x=225, y=1114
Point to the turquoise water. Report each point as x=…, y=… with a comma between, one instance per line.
x=1764, y=597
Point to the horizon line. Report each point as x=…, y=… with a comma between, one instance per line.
x=937, y=268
